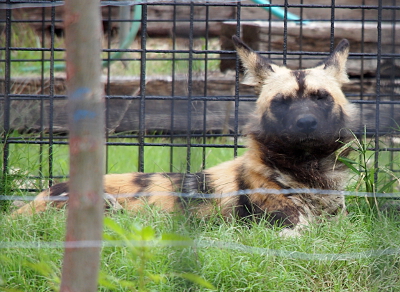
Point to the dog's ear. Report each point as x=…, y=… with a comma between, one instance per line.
x=257, y=68
x=335, y=64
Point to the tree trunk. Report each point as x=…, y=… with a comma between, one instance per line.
x=86, y=143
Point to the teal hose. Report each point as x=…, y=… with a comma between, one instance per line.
x=137, y=15
x=279, y=12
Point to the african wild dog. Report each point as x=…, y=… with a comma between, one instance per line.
x=300, y=121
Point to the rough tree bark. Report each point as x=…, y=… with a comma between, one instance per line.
x=86, y=143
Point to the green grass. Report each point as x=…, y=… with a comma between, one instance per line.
x=30, y=269
x=160, y=63
x=23, y=36
x=169, y=268
x=32, y=159
x=29, y=62
x=362, y=163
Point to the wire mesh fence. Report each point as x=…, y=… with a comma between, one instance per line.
x=172, y=80
x=174, y=103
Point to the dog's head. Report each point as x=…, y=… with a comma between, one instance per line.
x=304, y=109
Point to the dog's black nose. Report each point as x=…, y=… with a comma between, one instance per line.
x=307, y=123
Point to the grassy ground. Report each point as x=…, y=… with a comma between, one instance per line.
x=26, y=159
x=216, y=255
x=231, y=256
x=31, y=62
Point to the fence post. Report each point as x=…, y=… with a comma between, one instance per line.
x=86, y=144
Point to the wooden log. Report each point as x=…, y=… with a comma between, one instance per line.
x=322, y=10
x=314, y=36
x=160, y=19
x=201, y=28
x=40, y=18
x=162, y=111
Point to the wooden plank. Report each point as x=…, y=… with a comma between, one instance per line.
x=322, y=10
x=123, y=110
x=313, y=37
x=160, y=19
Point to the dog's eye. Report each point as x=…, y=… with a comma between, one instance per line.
x=322, y=95
x=280, y=99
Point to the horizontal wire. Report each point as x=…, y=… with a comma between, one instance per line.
x=208, y=243
x=205, y=244
x=193, y=195
x=34, y=4
x=38, y=4
x=249, y=98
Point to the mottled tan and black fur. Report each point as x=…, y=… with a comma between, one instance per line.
x=300, y=121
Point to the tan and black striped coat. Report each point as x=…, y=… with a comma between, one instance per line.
x=301, y=120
